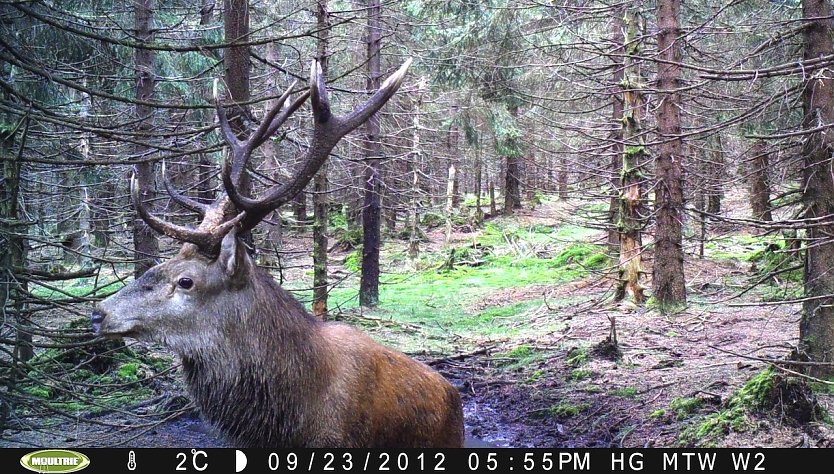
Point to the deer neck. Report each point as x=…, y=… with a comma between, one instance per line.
x=265, y=373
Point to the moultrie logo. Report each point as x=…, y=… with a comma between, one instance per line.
x=55, y=460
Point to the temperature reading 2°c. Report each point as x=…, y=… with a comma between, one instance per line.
x=198, y=460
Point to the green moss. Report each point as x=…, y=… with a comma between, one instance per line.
x=128, y=371
x=625, y=392
x=522, y=356
x=39, y=391
x=657, y=414
x=592, y=388
x=565, y=410
x=577, y=356
x=684, y=407
x=734, y=416
x=574, y=253
x=596, y=261
x=536, y=376
x=580, y=374
x=520, y=352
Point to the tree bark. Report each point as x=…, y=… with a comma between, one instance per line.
x=450, y=202
x=759, y=182
x=452, y=145
x=562, y=179
x=13, y=290
x=618, y=37
x=492, y=207
x=816, y=328
x=630, y=222
x=715, y=177
x=416, y=159
x=369, y=282
x=669, y=283
x=479, y=165
x=320, y=185
x=237, y=75
x=145, y=243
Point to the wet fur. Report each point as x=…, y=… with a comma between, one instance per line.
x=268, y=374
x=327, y=385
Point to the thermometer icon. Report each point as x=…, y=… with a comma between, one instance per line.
x=131, y=460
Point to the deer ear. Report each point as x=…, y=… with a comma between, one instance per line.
x=233, y=258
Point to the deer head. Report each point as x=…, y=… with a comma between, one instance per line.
x=187, y=301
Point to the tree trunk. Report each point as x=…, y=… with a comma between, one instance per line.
x=450, y=202
x=715, y=177
x=669, y=283
x=299, y=210
x=369, y=282
x=618, y=37
x=492, y=207
x=320, y=204
x=563, y=179
x=479, y=165
x=630, y=223
x=759, y=182
x=145, y=243
x=238, y=72
x=452, y=146
x=416, y=154
x=512, y=175
x=816, y=329
x=13, y=290
x=512, y=191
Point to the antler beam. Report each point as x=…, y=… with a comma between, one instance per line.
x=328, y=129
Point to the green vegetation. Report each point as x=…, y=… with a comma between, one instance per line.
x=78, y=288
x=577, y=356
x=565, y=410
x=684, y=407
x=465, y=299
x=580, y=374
x=625, y=392
x=353, y=260
x=523, y=356
x=734, y=415
x=657, y=414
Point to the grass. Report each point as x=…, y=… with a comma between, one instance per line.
x=451, y=302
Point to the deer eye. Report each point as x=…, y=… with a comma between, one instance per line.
x=185, y=283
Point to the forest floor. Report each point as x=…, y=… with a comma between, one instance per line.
x=517, y=316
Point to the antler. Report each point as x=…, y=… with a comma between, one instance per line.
x=328, y=129
x=206, y=236
x=182, y=199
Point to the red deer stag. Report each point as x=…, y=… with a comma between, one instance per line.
x=261, y=369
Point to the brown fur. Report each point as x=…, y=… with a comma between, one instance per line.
x=269, y=374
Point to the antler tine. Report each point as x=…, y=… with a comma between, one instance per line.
x=276, y=116
x=182, y=199
x=207, y=239
x=318, y=94
x=327, y=131
x=377, y=100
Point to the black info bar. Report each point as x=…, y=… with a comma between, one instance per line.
x=258, y=461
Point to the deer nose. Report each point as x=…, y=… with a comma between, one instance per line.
x=97, y=318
